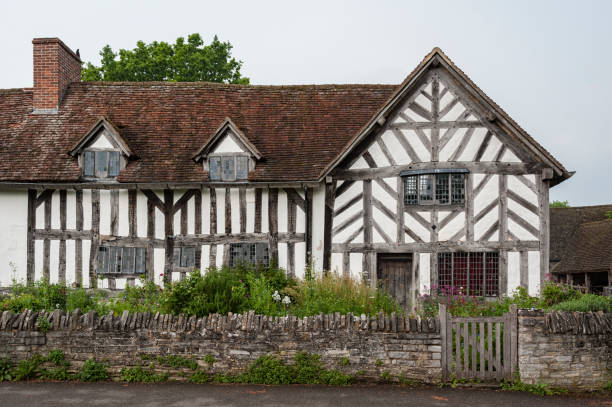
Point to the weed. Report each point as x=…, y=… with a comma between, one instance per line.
x=200, y=376
x=541, y=389
x=379, y=362
x=43, y=324
x=138, y=374
x=56, y=356
x=209, y=359
x=93, y=371
x=386, y=376
x=345, y=361
x=6, y=367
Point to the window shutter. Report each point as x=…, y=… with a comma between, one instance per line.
x=102, y=260
x=242, y=167
x=191, y=257
x=261, y=255
x=214, y=168
x=113, y=164
x=101, y=163
x=88, y=164
x=112, y=259
x=141, y=260
x=177, y=256
x=228, y=169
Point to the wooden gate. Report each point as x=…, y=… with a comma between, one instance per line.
x=484, y=348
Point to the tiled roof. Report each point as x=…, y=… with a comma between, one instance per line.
x=589, y=249
x=297, y=129
x=565, y=225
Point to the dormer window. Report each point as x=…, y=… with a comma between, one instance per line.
x=101, y=153
x=228, y=155
x=101, y=164
x=228, y=167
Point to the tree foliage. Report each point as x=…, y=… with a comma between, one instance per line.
x=559, y=204
x=183, y=61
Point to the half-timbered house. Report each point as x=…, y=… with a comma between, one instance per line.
x=424, y=184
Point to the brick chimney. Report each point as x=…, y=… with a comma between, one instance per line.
x=55, y=67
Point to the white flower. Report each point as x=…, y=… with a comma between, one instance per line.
x=286, y=300
x=276, y=296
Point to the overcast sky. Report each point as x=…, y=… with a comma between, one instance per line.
x=547, y=63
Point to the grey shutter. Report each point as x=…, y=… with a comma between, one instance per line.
x=191, y=257
x=112, y=259
x=177, y=256
x=141, y=260
x=88, y=164
x=127, y=263
x=119, y=259
x=102, y=260
x=113, y=164
x=101, y=163
x=214, y=168
x=228, y=169
x=261, y=253
x=242, y=167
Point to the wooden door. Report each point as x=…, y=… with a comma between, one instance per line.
x=394, y=276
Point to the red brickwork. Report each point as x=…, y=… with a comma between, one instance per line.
x=55, y=67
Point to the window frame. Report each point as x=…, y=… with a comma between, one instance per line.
x=101, y=175
x=228, y=156
x=119, y=260
x=488, y=275
x=260, y=260
x=183, y=256
x=413, y=184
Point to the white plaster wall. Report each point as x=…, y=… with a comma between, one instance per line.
x=124, y=220
x=158, y=264
x=318, y=222
x=424, y=273
x=220, y=214
x=70, y=209
x=55, y=210
x=13, y=235
x=250, y=210
x=38, y=261
x=54, y=261
x=336, y=262
x=514, y=271
x=454, y=226
x=105, y=212
x=70, y=262
x=101, y=141
x=206, y=212
x=235, y=205
x=85, y=263
x=227, y=145
x=141, y=215
x=533, y=263
x=282, y=212
x=356, y=265
x=300, y=259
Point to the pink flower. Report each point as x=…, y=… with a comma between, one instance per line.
x=161, y=274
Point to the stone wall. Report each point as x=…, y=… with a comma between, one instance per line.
x=400, y=345
x=565, y=349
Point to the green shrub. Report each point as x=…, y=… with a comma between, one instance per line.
x=331, y=293
x=267, y=370
x=555, y=293
x=200, y=376
x=147, y=297
x=6, y=367
x=60, y=373
x=93, y=371
x=56, y=356
x=177, y=361
x=585, y=303
x=140, y=375
x=28, y=369
x=217, y=291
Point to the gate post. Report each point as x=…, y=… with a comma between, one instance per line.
x=513, y=340
x=443, y=342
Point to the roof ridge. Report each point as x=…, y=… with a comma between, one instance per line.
x=229, y=85
x=586, y=206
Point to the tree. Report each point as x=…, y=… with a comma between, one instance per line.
x=559, y=204
x=184, y=61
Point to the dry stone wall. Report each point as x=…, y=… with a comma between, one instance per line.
x=565, y=349
x=403, y=346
